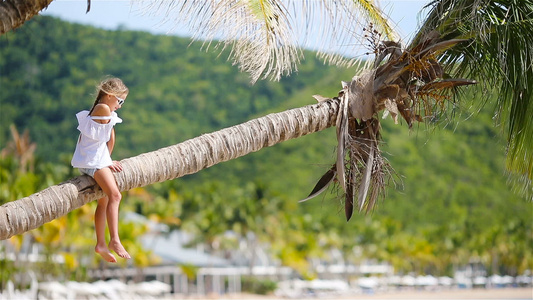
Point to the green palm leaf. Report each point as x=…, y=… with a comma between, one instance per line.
x=499, y=55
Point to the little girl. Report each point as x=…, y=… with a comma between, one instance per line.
x=93, y=157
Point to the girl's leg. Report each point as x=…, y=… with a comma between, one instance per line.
x=105, y=179
x=99, y=225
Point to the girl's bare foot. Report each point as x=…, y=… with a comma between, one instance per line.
x=119, y=249
x=104, y=252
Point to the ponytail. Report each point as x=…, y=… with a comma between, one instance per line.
x=98, y=97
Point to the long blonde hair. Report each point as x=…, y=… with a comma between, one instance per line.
x=109, y=86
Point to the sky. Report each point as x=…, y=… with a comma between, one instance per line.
x=110, y=14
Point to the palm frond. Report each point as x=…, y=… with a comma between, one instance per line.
x=266, y=47
x=341, y=28
x=258, y=32
x=374, y=14
x=265, y=36
x=499, y=55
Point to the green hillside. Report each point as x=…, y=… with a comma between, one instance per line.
x=450, y=202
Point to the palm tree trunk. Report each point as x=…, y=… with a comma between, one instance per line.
x=13, y=13
x=168, y=163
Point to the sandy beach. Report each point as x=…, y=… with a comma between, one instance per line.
x=504, y=293
x=456, y=294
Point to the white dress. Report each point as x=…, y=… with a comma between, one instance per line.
x=91, y=149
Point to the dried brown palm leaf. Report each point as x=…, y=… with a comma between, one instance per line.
x=323, y=183
x=342, y=134
x=364, y=185
x=437, y=48
x=445, y=84
x=348, y=202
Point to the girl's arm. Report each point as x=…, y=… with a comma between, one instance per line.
x=116, y=166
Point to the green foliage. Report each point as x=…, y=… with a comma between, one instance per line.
x=8, y=269
x=450, y=203
x=258, y=286
x=497, y=54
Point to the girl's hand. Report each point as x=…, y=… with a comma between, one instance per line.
x=116, y=166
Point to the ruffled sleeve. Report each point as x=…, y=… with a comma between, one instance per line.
x=115, y=119
x=94, y=130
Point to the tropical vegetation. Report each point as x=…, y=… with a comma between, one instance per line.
x=451, y=203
